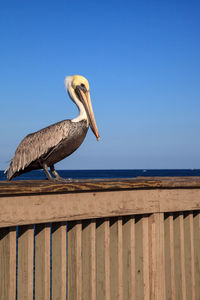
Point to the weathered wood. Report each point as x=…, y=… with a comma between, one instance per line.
x=145, y=256
x=59, y=261
x=128, y=258
x=129, y=239
x=120, y=258
x=21, y=210
x=139, y=276
x=44, y=186
x=25, y=262
x=116, y=275
x=152, y=256
x=79, y=260
x=103, y=259
x=71, y=274
x=182, y=256
x=197, y=252
x=74, y=260
x=189, y=255
x=7, y=263
x=160, y=257
x=180, y=284
x=89, y=260
x=42, y=262
x=169, y=258
x=156, y=257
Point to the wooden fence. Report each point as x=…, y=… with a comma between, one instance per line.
x=100, y=240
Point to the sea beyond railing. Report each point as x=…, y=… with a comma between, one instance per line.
x=108, y=173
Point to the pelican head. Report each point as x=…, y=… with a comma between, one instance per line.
x=79, y=91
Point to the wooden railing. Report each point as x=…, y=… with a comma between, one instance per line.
x=100, y=240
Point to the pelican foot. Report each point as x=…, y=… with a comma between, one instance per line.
x=61, y=179
x=57, y=177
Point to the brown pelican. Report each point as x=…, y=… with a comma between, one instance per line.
x=44, y=148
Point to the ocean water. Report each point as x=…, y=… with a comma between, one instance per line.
x=120, y=173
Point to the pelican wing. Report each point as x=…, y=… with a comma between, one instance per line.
x=36, y=145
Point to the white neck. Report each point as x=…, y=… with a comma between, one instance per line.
x=82, y=113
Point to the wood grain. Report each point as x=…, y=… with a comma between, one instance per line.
x=8, y=263
x=145, y=255
x=42, y=262
x=59, y=260
x=139, y=259
x=103, y=259
x=25, y=262
x=169, y=258
x=127, y=239
x=34, y=209
x=189, y=255
x=128, y=254
x=44, y=186
x=74, y=260
x=197, y=252
x=89, y=260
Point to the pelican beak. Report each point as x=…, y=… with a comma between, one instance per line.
x=85, y=99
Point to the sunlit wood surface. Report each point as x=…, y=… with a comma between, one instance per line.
x=95, y=240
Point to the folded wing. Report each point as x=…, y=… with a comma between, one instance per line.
x=35, y=145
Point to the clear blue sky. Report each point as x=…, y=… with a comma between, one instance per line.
x=142, y=59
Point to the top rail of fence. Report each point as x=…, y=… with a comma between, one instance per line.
x=32, y=187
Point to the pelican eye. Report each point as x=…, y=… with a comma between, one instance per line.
x=82, y=87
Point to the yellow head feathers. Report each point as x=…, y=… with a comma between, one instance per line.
x=77, y=80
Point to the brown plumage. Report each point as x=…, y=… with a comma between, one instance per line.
x=44, y=148
x=61, y=140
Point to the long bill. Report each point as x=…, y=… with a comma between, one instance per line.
x=88, y=107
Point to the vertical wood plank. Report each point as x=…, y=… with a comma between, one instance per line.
x=152, y=257
x=93, y=259
x=120, y=259
x=8, y=263
x=116, y=274
x=191, y=222
x=107, y=259
x=156, y=256
x=169, y=258
x=100, y=259
x=145, y=254
x=197, y=252
x=79, y=260
x=59, y=261
x=179, y=257
x=103, y=259
x=129, y=258
x=42, y=262
x=75, y=260
x=114, y=258
x=189, y=255
x=182, y=238
x=86, y=260
x=160, y=255
x=25, y=262
x=139, y=282
x=71, y=228
x=171, y=229
x=89, y=260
